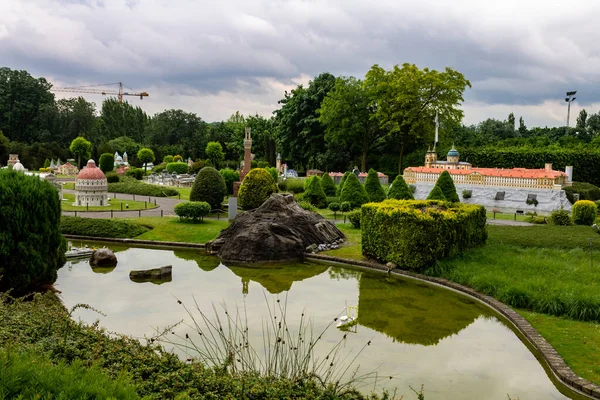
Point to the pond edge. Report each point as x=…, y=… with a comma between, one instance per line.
x=557, y=365
x=138, y=242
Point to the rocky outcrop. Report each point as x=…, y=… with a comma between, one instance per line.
x=154, y=275
x=278, y=230
x=103, y=258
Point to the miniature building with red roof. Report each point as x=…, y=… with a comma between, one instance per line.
x=91, y=187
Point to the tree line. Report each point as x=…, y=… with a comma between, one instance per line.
x=384, y=120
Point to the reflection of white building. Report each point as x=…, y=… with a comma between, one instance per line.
x=91, y=187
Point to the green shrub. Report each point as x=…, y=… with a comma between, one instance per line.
x=436, y=194
x=112, y=177
x=373, y=187
x=197, y=166
x=538, y=220
x=158, y=168
x=307, y=206
x=446, y=183
x=257, y=186
x=263, y=164
x=31, y=246
x=353, y=192
x=335, y=207
x=106, y=162
x=314, y=193
x=97, y=227
x=177, y=158
x=293, y=185
x=210, y=187
x=584, y=212
x=29, y=375
x=415, y=233
x=332, y=199
x=466, y=194
x=44, y=169
x=345, y=206
x=136, y=173
x=214, y=153
x=328, y=185
x=273, y=172
x=354, y=218
x=131, y=186
x=399, y=190
x=342, y=181
x=560, y=217
x=192, y=210
x=179, y=168
x=229, y=176
x=168, y=159
x=586, y=191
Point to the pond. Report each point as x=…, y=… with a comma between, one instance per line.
x=419, y=334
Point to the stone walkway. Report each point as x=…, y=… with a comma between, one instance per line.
x=507, y=222
x=165, y=207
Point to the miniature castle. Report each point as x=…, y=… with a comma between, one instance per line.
x=506, y=190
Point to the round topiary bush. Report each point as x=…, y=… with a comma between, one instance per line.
x=436, y=194
x=399, y=190
x=314, y=193
x=446, y=184
x=584, y=212
x=373, y=187
x=178, y=167
x=328, y=185
x=560, y=217
x=353, y=192
x=257, y=186
x=106, y=162
x=210, y=187
x=32, y=248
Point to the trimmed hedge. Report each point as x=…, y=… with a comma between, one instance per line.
x=257, y=186
x=210, y=187
x=415, y=233
x=354, y=218
x=144, y=189
x=136, y=173
x=314, y=193
x=586, y=191
x=179, y=168
x=399, y=190
x=328, y=185
x=192, y=210
x=96, y=227
x=353, y=192
x=373, y=187
x=584, y=212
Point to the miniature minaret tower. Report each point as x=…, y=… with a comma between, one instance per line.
x=247, y=154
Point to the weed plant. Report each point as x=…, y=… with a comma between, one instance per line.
x=223, y=343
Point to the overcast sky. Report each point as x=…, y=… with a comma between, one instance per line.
x=215, y=57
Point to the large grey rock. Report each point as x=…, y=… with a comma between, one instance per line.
x=103, y=258
x=278, y=230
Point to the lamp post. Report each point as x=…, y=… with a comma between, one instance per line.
x=569, y=99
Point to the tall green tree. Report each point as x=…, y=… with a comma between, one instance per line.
x=80, y=147
x=179, y=132
x=405, y=101
x=347, y=113
x=373, y=187
x=214, y=152
x=301, y=135
x=581, y=120
x=76, y=117
x=146, y=155
x=122, y=119
x=107, y=162
x=511, y=122
x=23, y=98
x=264, y=137
x=522, y=127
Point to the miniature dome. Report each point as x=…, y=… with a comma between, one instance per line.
x=91, y=172
x=453, y=152
x=18, y=167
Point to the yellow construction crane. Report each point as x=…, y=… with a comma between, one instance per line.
x=88, y=89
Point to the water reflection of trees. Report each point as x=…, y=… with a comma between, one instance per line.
x=413, y=312
x=339, y=273
x=276, y=277
x=205, y=262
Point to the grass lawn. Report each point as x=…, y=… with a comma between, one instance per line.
x=115, y=204
x=170, y=229
x=523, y=218
x=351, y=246
x=69, y=185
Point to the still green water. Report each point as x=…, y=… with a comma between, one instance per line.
x=419, y=334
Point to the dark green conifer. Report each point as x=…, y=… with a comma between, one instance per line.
x=373, y=187
x=353, y=192
x=446, y=184
x=436, y=194
x=314, y=193
x=342, y=181
x=400, y=190
x=328, y=185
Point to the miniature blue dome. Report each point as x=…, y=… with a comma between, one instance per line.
x=453, y=152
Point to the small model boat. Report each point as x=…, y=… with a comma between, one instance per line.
x=78, y=252
x=350, y=319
